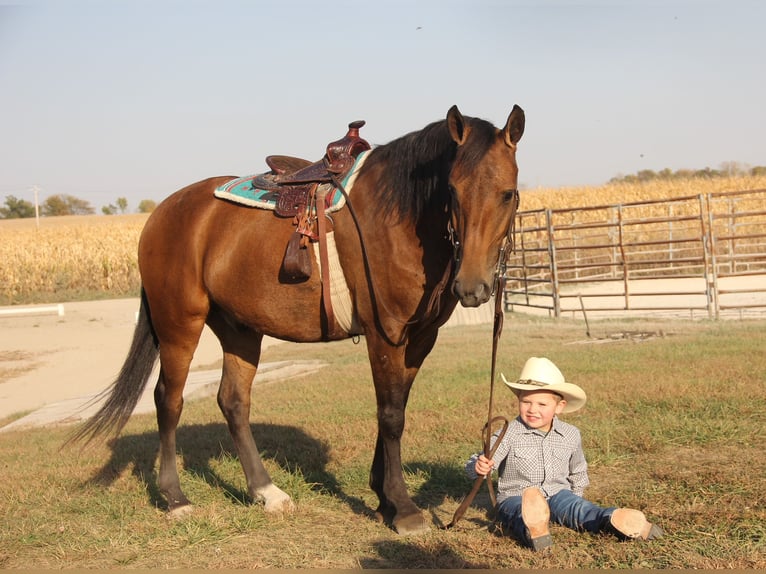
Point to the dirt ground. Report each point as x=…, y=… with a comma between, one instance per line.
x=46, y=358
x=52, y=365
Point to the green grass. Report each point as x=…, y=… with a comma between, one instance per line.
x=674, y=426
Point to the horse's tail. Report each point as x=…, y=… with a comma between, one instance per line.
x=123, y=394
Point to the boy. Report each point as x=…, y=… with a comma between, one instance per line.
x=542, y=468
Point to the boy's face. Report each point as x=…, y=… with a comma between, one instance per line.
x=537, y=408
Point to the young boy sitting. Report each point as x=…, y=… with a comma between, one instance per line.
x=542, y=472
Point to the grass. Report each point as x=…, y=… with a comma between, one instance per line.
x=674, y=426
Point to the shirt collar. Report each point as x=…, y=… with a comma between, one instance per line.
x=555, y=424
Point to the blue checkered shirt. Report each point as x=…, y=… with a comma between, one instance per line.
x=526, y=457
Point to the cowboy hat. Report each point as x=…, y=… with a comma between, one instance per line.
x=540, y=374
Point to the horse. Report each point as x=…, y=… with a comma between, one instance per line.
x=427, y=226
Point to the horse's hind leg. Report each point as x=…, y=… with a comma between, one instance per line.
x=240, y=361
x=168, y=398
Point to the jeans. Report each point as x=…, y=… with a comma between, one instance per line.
x=566, y=508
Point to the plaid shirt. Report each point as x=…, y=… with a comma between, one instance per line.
x=554, y=461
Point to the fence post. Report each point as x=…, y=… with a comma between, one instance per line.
x=708, y=246
x=621, y=239
x=554, y=270
x=524, y=268
x=613, y=268
x=732, y=233
x=670, y=235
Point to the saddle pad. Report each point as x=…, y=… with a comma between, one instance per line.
x=240, y=190
x=340, y=296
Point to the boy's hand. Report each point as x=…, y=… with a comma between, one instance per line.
x=484, y=465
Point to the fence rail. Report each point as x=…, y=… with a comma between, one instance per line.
x=702, y=253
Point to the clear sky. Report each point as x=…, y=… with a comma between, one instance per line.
x=138, y=98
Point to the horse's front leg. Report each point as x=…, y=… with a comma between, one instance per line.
x=386, y=477
x=393, y=380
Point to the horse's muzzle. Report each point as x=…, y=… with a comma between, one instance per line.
x=471, y=295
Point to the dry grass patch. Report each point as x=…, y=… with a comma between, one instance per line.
x=15, y=363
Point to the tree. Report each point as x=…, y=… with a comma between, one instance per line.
x=122, y=204
x=66, y=205
x=646, y=175
x=146, y=206
x=16, y=208
x=666, y=173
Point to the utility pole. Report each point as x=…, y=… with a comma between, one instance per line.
x=36, y=189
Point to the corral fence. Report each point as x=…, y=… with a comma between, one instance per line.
x=702, y=255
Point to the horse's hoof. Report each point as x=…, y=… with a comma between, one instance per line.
x=412, y=524
x=284, y=506
x=275, y=500
x=179, y=512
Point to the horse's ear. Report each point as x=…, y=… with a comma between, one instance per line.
x=457, y=126
x=514, y=127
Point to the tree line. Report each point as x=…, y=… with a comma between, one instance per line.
x=727, y=169
x=62, y=204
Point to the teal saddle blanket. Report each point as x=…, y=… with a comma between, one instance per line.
x=241, y=190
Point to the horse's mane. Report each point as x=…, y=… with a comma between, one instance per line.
x=414, y=167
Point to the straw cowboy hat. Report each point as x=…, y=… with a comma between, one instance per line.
x=540, y=374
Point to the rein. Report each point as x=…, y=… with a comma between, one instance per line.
x=435, y=294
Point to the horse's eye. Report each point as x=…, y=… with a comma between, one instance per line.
x=508, y=196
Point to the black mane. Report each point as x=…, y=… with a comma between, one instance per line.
x=414, y=168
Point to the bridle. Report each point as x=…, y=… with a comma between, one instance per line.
x=506, y=248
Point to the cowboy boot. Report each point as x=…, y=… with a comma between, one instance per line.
x=536, y=517
x=629, y=524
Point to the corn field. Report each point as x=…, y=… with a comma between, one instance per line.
x=88, y=257
x=69, y=258
x=622, y=193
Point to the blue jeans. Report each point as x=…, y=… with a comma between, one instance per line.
x=566, y=508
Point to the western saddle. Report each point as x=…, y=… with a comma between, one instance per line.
x=301, y=189
x=295, y=180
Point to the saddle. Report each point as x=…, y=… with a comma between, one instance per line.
x=302, y=189
x=295, y=180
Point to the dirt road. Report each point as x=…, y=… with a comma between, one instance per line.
x=52, y=365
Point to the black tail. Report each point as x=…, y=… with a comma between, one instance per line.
x=123, y=394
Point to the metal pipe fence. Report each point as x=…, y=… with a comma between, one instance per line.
x=701, y=254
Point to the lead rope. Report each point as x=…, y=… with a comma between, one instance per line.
x=497, y=329
x=489, y=448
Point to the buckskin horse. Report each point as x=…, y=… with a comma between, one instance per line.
x=426, y=226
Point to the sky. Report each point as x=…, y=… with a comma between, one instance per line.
x=134, y=99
